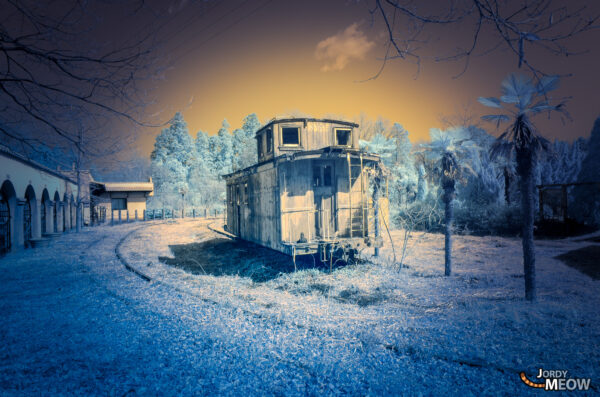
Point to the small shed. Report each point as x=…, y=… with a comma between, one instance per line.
x=311, y=191
x=121, y=200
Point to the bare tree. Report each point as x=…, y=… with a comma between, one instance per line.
x=517, y=26
x=51, y=67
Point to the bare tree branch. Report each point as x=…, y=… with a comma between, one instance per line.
x=518, y=26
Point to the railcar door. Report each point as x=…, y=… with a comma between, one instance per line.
x=324, y=198
x=4, y=225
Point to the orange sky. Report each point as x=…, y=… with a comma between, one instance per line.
x=266, y=64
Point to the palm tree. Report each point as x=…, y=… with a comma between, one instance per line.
x=523, y=98
x=447, y=149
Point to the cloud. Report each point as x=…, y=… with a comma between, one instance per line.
x=338, y=50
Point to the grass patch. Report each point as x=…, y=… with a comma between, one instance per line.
x=361, y=298
x=225, y=257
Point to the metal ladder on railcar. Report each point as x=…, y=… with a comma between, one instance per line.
x=355, y=171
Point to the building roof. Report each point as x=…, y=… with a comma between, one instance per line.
x=330, y=152
x=127, y=186
x=7, y=152
x=285, y=119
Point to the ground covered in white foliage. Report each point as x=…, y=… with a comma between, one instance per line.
x=74, y=320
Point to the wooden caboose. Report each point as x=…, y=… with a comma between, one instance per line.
x=311, y=191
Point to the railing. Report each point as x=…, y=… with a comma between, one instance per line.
x=125, y=216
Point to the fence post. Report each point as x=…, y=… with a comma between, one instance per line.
x=112, y=217
x=127, y=216
x=119, y=216
x=144, y=215
x=205, y=210
x=163, y=214
x=194, y=213
x=135, y=219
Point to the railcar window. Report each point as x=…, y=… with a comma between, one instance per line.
x=343, y=137
x=290, y=136
x=269, y=136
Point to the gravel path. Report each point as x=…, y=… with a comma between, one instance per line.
x=74, y=321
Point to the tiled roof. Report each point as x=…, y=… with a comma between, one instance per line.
x=128, y=186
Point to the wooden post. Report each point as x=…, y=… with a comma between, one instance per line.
x=376, y=215
x=112, y=216
x=541, y=204
x=144, y=215
x=163, y=213
x=135, y=216
x=205, y=212
x=119, y=216
x=194, y=213
x=127, y=216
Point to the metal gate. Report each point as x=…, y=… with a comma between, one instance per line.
x=43, y=217
x=27, y=221
x=4, y=225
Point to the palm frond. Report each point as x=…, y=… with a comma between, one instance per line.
x=490, y=101
x=547, y=83
x=517, y=88
x=498, y=118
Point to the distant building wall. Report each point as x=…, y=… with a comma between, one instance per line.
x=34, y=200
x=135, y=201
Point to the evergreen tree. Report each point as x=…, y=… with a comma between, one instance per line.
x=223, y=146
x=171, y=158
x=244, y=143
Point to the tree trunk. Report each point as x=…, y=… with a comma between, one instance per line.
x=507, y=185
x=449, y=218
x=525, y=164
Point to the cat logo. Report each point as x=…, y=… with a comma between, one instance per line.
x=556, y=380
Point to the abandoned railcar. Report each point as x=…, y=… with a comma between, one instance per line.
x=311, y=191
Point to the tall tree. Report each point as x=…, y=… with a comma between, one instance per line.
x=221, y=146
x=446, y=150
x=171, y=158
x=523, y=99
x=244, y=143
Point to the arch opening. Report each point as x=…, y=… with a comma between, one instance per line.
x=28, y=214
x=44, y=211
x=8, y=200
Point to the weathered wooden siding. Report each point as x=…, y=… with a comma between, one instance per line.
x=313, y=135
x=253, y=206
x=297, y=200
x=347, y=197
